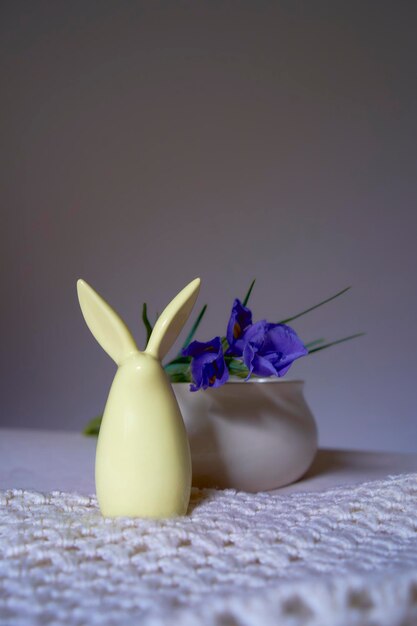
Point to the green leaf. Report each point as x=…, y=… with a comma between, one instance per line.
x=146, y=322
x=225, y=344
x=176, y=368
x=333, y=343
x=316, y=342
x=180, y=378
x=193, y=329
x=236, y=368
x=246, y=298
x=239, y=373
x=93, y=426
x=179, y=360
x=294, y=317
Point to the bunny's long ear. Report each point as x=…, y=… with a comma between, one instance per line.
x=171, y=321
x=105, y=324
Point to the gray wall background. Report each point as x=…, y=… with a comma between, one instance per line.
x=145, y=143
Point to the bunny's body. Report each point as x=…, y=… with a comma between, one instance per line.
x=143, y=462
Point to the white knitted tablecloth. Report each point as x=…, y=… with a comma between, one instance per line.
x=344, y=556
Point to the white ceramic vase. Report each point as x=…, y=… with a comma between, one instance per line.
x=251, y=436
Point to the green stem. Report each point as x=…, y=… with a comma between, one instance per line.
x=193, y=329
x=146, y=321
x=333, y=343
x=246, y=298
x=311, y=344
x=316, y=306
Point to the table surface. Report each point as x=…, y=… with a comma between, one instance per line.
x=44, y=460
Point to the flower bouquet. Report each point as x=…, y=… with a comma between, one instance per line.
x=248, y=350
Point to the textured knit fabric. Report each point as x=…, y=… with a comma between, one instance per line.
x=344, y=556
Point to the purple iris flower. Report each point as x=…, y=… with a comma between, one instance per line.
x=270, y=349
x=240, y=320
x=208, y=368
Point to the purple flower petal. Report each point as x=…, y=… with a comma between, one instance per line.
x=208, y=367
x=270, y=349
x=240, y=320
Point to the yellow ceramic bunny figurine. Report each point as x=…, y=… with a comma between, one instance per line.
x=143, y=462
